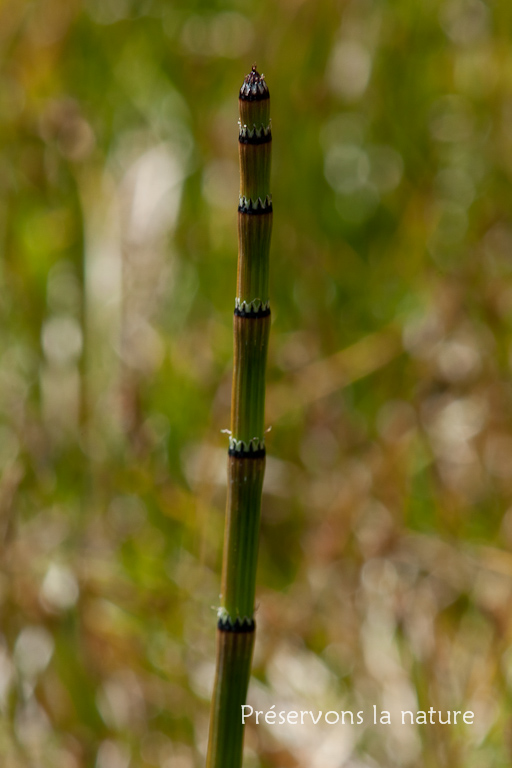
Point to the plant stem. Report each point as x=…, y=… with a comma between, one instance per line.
x=246, y=460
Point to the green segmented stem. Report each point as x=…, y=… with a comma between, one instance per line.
x=254, y=110
x=253, y=247
x=248, y=393
x=234, y=655
x=241, y=536
x=246, y=462
x=255, y=170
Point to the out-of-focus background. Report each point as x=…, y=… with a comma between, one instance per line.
x=385, y=564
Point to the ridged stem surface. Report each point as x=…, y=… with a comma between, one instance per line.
x=234, y=655
x=248, y=392
x=246, y=461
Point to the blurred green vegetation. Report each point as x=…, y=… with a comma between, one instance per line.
x=385, y=564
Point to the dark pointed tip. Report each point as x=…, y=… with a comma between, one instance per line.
x=254, y=87
x=253, y=76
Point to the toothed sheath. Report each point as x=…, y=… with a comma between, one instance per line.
x=246, y=458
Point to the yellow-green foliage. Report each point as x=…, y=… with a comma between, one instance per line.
x=385, y=573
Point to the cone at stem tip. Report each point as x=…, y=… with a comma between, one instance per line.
x=254, y=87
x=254, y=108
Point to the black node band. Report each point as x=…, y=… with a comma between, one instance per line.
x=255, y=211
x=256, y=453
x=252, y=313
x=226, y=625
x=263, y=139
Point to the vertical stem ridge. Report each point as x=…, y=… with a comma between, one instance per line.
x=241, y=536
x=234, y=656
x=248, y=393
x=254, y=234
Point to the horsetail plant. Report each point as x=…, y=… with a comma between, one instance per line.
x=246, y=455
